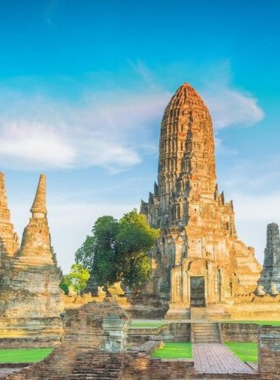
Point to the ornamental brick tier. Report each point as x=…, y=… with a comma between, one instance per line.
x=199, y=260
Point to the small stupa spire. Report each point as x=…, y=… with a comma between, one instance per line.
x=39, y=204
x=36, y=242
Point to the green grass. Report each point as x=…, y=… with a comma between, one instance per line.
x=24, y=355
x=147, y=324
x=272, y=323
x=247, y=352
x=174, y=351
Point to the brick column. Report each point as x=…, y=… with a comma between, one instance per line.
x=269, y=352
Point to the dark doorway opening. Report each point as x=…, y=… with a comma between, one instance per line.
x=197, y=292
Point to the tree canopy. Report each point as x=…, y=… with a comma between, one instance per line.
x=117, y=250
x=77, y=279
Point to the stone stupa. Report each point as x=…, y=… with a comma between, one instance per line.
x=198, y=261
x=30, y=297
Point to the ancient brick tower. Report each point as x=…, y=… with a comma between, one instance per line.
x=198, y=261
x=270, y=277
x=30, y=298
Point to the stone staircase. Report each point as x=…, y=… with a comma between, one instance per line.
x=96, y=365
x=206, y=332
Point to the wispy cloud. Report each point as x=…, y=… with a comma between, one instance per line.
x=247, y=176
x=230, y=107
x=110, y=131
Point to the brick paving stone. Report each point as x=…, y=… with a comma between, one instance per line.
x=217, y=358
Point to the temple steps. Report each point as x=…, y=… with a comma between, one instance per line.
x=206, y=333
x=96, y=365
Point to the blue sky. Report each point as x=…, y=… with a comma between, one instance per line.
x=83, y=86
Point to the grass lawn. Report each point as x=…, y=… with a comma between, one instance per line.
x=23, y=355
x=174, y=351
x=272, y=323
x=247, y=352
x=147, y=324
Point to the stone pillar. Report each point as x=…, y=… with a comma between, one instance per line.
x=117, y=328
x=269, y=352
x=186, y=289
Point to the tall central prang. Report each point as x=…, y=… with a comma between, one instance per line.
x=198, y=261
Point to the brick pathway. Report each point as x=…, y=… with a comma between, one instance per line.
x=217, y=358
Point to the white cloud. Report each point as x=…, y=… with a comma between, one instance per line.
x=33, y=143
x=110, y=131
x=230, y=107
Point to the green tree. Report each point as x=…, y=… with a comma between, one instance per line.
x=134, y=239
x=84, y=255
x=118, y=250
x=77, y=279
x=64, y=284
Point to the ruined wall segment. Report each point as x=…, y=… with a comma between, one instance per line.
x=198, y=234
x=31, y=300
x=93, y=346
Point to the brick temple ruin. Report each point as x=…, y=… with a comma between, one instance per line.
x=198, y=260
x=201, y=271
x=30, y=301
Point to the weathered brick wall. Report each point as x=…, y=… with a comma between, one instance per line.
x=177, y=332
x=27, y=343
x=269, y=352
x=172, y=332
x=142, y=335
x=81, y=351
x=239, y=332
x=139, y=366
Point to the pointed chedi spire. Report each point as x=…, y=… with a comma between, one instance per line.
x=39, y=205
x=36, y=243
x=8, y=238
